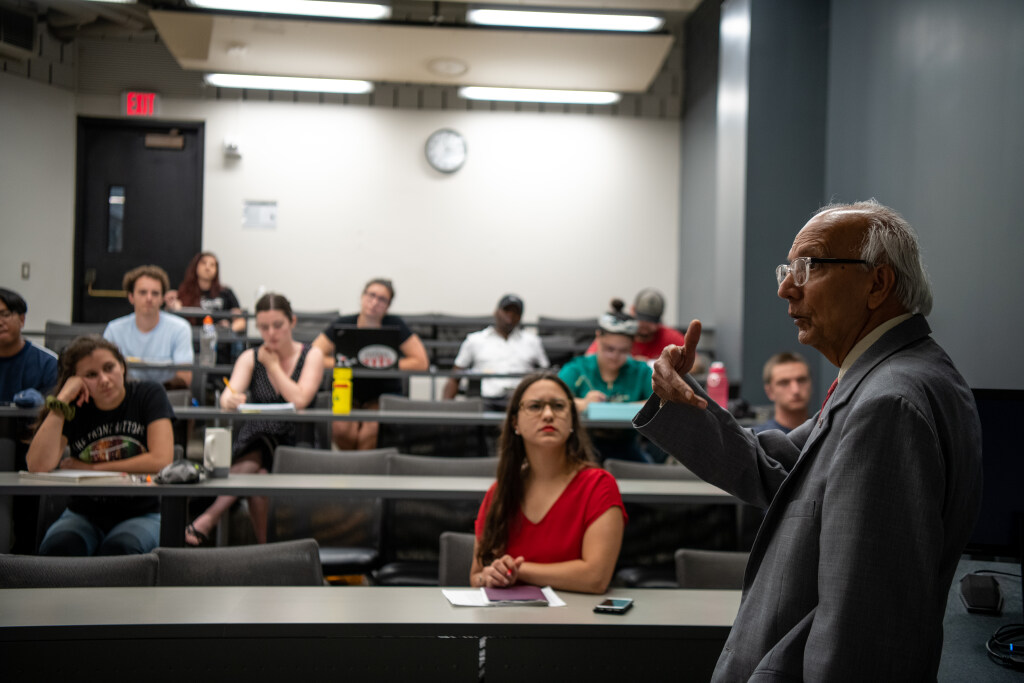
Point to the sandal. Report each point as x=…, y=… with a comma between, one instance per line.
x=199, y=536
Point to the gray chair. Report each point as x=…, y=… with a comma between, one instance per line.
x=309, y=324
x=456, y=558
x=348, y=529
x=31, y=571
x=291, y=563
x=646, y=559
x=58, y=335
x=412, y=527
x=426, y=439
x=626, y=469
x=715, y=569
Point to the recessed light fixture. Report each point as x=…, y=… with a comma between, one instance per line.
x=473, y=92
x=565, y=20
x=306, y=8
x=333, y=85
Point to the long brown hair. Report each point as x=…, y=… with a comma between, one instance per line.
x=188, y=290
x=512, y=467
x=78, y=349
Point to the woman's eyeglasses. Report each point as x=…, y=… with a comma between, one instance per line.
x=536, y=408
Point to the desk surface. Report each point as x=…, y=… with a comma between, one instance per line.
x=351, y=485
x=361, y=610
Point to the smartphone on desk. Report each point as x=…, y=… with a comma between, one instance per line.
x=614, y=606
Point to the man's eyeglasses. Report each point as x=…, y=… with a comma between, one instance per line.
x=7, y=315
x=800, y=268
x=536, y=408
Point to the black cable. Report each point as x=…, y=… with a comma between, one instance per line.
x=1006, y=646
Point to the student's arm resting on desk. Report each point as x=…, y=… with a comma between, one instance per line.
x=160, y=453
x=590, y=574
x=302, y=392
x=414, y=354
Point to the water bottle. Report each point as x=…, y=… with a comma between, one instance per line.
x=208, y=343
x=718, y=384
x=341, y=391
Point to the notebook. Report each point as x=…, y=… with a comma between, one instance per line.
x=367, y=347
x=516, y=595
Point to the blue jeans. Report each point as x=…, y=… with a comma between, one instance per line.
x=75, y=535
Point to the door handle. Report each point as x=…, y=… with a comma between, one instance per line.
x=90, y=279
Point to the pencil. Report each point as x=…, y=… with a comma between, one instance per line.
x=227, y=383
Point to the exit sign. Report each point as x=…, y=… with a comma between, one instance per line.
x=135, y=103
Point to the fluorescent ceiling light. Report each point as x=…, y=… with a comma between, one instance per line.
x=472, y=92
x=309, y=8
x=335, y=85
x=565, y=20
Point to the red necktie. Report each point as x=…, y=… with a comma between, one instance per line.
x=830, y=390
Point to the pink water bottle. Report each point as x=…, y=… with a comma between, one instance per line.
x=718, y=384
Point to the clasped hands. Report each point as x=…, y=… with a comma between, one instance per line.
x=671, y=367
x=501, y=573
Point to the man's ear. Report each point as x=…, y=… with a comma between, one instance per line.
x=883, y=285
x=131, y=298
x=769, y=392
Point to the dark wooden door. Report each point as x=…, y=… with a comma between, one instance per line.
x=139, y=200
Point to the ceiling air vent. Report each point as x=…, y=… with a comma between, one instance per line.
x=17, y=34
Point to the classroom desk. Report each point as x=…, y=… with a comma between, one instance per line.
x=172, y=497
x=360, y=633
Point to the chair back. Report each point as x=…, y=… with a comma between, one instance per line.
x=291, y=563
x=655, y=532
x=412, y=526
x=626, y=469
x=713, y=569
x=394, y=402
x=434, y=439
x=456, y=558
x=58, y=335
x=309, y=324
x=32, y=571
x=348, y=529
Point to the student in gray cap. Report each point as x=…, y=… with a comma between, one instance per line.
x=501, y=348
x=651, y=336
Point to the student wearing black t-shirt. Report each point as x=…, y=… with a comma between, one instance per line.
x=201, y=288
x=108, y=425
x=373, y=309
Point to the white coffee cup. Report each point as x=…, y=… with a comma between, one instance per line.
x=217, y=451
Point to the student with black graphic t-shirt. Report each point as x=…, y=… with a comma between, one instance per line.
x=201, y=288
x=108, y=425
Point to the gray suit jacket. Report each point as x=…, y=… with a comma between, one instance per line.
x=869, y=505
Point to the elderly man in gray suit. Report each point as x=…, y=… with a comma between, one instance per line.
x=871, y=501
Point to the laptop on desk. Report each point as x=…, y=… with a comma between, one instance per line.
x=366, y=347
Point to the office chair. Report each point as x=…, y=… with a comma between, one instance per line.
x=716, y=569
x=439, y=439
x=291, y=563
x=32, y=571
x=58, y=335
x=412, y=527
x=456, y=558
x=348, y=529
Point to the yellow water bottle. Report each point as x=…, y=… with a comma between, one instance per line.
x=341, y=391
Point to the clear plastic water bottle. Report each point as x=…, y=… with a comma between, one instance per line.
x=208, y=343
x=718, y=384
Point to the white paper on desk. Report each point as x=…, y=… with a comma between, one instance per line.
x=73, y=475
x=476, y=597
x=267, y=408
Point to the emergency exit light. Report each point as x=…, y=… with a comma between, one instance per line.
x=136, y=103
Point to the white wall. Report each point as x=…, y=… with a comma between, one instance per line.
x=565, y=210
x=37, y=195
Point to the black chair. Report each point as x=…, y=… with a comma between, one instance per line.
x=445, y=440
x=58, y=335
x=412, y=527
x=32, y=571
x=309, y=324
x=654, y=532
x=565, y=338
x=456, y=558
x=713, y=569
x=291, y=563
x=347, y=529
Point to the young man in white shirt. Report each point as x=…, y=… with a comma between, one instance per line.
x=501, y=348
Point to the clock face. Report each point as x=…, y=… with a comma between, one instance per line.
x=446, y=150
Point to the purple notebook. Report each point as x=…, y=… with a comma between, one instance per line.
x=516, y=595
